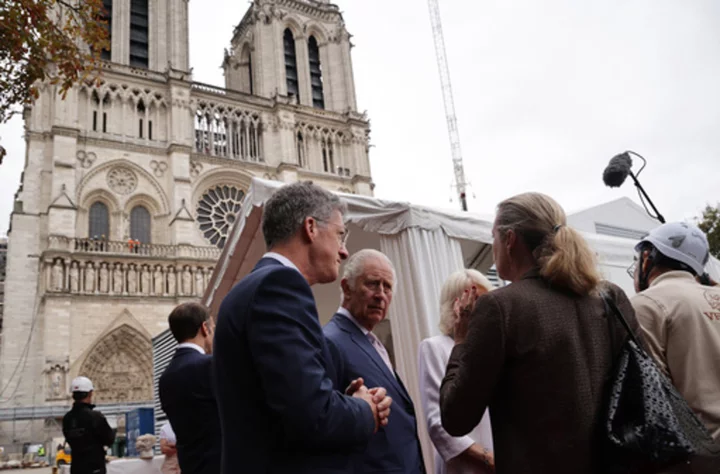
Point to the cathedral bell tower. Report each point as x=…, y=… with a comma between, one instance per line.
x=299, y=49
x=148, y=34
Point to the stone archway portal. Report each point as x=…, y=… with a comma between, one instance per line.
x=120, y=366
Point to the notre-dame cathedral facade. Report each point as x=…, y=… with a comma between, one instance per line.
x=131, y=186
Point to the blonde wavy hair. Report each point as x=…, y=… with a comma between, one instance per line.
x=564, y=257
x=453, y=288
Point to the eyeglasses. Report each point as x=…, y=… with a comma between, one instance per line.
x=633, y=268
x=344, y=231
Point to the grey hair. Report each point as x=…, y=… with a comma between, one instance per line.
x=356, y=264
x=452, y=289
x=286, y=210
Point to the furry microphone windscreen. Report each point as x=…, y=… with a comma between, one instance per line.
x=617, y=170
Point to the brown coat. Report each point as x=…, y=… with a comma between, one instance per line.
x=539, y=358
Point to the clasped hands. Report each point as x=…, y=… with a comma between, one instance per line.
x=377, y=398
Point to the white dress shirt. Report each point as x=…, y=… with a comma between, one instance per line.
x=167, y=433
x=190, y=345
x=170, y=463
x=434, y=353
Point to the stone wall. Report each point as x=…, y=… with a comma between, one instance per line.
x=184, y=151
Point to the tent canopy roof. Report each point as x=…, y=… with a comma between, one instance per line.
x=369, y=217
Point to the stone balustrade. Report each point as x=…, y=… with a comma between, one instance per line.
x=95, y=246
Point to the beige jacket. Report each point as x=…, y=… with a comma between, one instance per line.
x=680, y=320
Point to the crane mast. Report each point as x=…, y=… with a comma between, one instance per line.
x=460, y=183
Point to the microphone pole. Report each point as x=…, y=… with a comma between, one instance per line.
x=641, y=190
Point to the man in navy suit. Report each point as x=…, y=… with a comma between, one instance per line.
x=187, y=393
x=367, y=286
x=280, y=407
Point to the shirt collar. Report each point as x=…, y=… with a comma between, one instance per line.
x=83, y=404
x=674, y=275
x=191, y=345
x=280, y=258
x=347, y=314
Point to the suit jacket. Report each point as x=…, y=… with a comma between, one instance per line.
x=280, y=410
x=394, y=448
x=187, y=397
x=539, y=358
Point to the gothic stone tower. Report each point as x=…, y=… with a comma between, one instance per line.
x=131, y=186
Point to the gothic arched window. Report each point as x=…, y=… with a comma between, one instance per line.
x=107, y=18
x=316, y=74
x=291, y=74
x=327, y=156
x=99, y=221
x=246, y=70
x=140, y=224
x=96, y=105
x=141, y=114
x=139, y=33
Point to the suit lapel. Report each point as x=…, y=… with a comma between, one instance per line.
x=363, y=342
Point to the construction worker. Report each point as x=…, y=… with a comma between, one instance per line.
x=679, y=317
x=86, y=430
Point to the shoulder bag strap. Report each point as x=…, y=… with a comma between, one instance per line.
x=609, y=302
x=609, y=317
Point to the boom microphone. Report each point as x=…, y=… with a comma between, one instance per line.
x=617, y=170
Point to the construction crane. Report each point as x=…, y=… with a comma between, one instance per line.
x=460, y=183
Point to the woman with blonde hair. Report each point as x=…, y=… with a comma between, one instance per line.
x=469, y=454
x=538, y=351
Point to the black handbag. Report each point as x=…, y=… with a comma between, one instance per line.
x=647, y=422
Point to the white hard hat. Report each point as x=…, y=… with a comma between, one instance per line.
x=682, y=242
x=81, y=384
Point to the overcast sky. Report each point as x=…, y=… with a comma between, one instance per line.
x=546, y=92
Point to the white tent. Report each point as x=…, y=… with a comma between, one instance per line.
x=425, y=245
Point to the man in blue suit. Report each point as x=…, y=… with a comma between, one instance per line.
x=367, y=286
x=187, y=394
x=280, y=408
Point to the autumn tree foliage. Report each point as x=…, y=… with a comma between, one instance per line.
x=710, y=224
x=55, y=42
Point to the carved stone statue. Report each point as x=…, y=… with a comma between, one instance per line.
x=104, y=278
x=57, y=276
x=171, y=280
x=145, y=280
x=90, y=278
x=158, y=280
x=74, y=278
x=118, y=279
x=187, y=282
x=131, y=280
x=56, y=383
x=199, y=282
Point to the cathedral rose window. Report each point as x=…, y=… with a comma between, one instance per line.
x=122, y=180
x=217, y=211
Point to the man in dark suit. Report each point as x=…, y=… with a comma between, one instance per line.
x=367, y=286
x=187, y=393
x=280, y=408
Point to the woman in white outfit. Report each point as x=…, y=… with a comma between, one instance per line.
x=469, y=454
